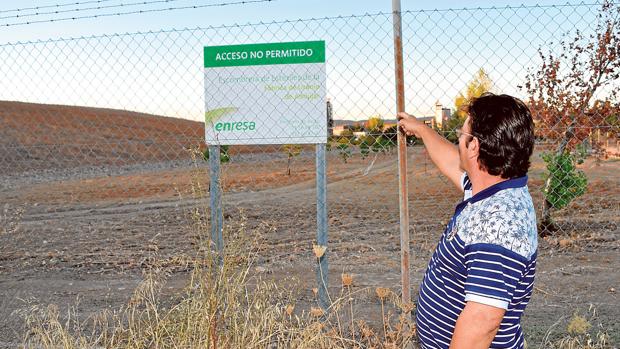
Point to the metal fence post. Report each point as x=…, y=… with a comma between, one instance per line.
x=322, y=271
x=215, y=195
x=402, y=155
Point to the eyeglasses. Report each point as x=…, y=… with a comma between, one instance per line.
x=459, y=133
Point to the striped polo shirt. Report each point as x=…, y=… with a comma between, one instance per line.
x=487, y=254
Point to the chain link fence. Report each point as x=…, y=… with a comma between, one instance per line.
x=118, y=120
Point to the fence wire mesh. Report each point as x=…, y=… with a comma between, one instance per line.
x=116, y=122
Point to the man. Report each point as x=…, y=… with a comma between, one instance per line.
x=480, y=277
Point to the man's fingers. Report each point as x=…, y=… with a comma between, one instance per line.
x=402, y=115
x=405, y=130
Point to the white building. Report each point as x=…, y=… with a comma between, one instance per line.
x=442, y=115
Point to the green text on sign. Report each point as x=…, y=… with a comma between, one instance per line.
x=265, y=54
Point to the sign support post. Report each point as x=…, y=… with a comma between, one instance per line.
x=215, y=195
x=322, y=272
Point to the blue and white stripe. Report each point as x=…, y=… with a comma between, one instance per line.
x=487, y=254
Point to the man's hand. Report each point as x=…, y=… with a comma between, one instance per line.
x=443, y=153
x=410, y=124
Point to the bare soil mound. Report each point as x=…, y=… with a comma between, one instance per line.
x=41, y=136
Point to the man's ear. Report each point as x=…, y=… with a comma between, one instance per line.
x=473, y=147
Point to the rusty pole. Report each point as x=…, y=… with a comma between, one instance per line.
x=402, y=156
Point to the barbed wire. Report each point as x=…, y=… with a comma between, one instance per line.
x=514, y=7
x=56, y=5
x=139, y=3
x=300, y=20
x=243, y=2
x=567, y=4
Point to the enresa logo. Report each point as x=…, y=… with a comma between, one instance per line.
x=235, y=126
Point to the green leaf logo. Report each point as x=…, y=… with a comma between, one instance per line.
x=213, y=115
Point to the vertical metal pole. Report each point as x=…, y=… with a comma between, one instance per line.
x=402, y=155
x=215, y=194
x=321, y=220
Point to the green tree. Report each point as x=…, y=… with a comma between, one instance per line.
x=365, y=144
x=357, y=127
x=564, y=181
x=382, y=144
x=364, y=149
x=347, y=133
x=344, y=149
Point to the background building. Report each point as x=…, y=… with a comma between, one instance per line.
x=442, y=115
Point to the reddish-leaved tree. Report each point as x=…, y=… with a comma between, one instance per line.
x=570, y=95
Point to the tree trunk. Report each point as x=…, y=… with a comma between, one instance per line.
x=547, y=226
x=288, y=166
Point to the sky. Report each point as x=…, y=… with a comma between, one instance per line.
x=161, y=72
x=214, y=16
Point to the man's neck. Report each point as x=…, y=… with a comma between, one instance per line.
x=481, y=180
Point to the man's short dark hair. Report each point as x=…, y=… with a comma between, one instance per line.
x=505, y=130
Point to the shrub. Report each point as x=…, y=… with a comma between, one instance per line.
x=344, y=149
x=291, y=151
x=565, y=182
x=382, y=144
x=224, y=157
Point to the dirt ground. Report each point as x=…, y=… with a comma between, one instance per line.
x=86, y=242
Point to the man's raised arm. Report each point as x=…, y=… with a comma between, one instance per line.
x=443, y=153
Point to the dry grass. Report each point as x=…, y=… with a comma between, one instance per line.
x=578, y=332
x=223, y=305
